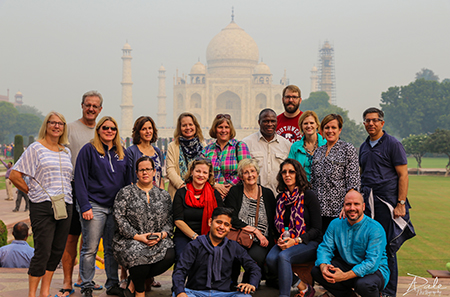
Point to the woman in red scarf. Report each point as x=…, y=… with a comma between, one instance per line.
x=193, y=205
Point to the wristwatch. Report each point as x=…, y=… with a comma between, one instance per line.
x=402, y=202
x=299, y=240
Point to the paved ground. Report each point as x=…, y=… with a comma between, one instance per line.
x=14, y=282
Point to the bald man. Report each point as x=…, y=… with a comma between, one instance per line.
x=361, y=266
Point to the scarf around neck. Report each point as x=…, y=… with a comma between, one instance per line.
x=189, y=149
x=214, y=259
x=296, y=221
x=207, y=201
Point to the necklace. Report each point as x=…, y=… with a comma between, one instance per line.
x=250, y=195
x=311, y=152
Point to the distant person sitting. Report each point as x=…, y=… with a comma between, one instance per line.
x=207, y=263
x=17, y=254
x=362, y=261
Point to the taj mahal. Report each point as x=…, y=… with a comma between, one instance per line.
x=233, y=81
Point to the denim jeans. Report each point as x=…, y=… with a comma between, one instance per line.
x=280, y=262
x=101, y=226
x=210, y=293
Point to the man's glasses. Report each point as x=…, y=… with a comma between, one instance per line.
x=367, y=121
x=291, y=172
x=223, y=115
x=291, y=97
x=55, y=123
x=106, y=128
x=88, y=106
x=148, y=170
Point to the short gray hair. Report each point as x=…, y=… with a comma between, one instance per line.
x=247, y=162
x=93, y=94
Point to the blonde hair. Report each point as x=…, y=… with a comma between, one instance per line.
x=63, y=139
x=218, y=120
x=308, y=113
x=198, y=129
x=98, y=144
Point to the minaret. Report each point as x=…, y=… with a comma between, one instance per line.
x=314, y=80
x=162, y=97
x=327, y=81
x=126, y=124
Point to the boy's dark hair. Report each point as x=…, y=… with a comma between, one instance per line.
x=222, y=211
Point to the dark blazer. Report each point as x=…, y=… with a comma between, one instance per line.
x=234, y=201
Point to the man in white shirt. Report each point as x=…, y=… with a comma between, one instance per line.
x=269, y=148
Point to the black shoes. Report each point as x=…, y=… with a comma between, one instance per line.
x=115, y=290
x=86, y=292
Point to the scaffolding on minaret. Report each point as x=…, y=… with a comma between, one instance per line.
x=327, y=79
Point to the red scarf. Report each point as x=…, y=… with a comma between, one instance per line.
x=207, y=201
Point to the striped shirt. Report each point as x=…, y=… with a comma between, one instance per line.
x=247, y=214
x=224, y=161
x=42, y=164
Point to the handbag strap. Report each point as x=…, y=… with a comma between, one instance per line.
x=257, y=206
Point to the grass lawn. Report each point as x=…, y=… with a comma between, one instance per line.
x=428, y=162
x=430, y=213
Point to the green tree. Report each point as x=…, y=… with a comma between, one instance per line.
x=18, y=147
x=27, y=124
x=439, y=142
x=418, y=108
x=417, y=146
x=30, y=110
x=318, y=102
x=8, y=115
x=30, y=140
x=427, y=74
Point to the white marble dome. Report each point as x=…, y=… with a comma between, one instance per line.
x=261, y=68
x=232, y=45
x=198, y=68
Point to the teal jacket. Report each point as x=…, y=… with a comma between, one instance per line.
x=298, y=153
x=362, y=245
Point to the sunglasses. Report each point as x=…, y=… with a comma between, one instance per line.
x=223, y=115
x=106, y=128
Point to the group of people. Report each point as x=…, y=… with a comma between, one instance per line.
x=287, y=197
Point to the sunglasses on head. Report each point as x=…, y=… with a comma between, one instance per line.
x=106, y=128
x=223, y=115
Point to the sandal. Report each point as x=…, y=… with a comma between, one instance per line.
x=156, y=284
x=64, y=291
x=96, y=287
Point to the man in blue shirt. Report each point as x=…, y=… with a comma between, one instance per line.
x=207, y=263
x=17, y=254
x=384, y=182
x=362, y=262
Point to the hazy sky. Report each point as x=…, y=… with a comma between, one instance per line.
x=53, y=50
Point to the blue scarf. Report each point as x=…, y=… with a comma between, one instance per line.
x=214, y=259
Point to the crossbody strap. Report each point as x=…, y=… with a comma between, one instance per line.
x=258, y=201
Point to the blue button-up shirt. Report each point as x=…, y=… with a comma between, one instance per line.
x=362, y=245
x=16, y=255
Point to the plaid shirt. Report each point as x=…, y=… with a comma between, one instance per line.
x=224, y=161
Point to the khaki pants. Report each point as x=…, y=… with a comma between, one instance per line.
x=9, y=189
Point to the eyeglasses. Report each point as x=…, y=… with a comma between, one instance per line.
x=88, y=106
x=367, y=121
x=55, y=123
x=291, y=97
x=106, y=128
x=291, y=172
x=223, y=115
x=148, y=170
